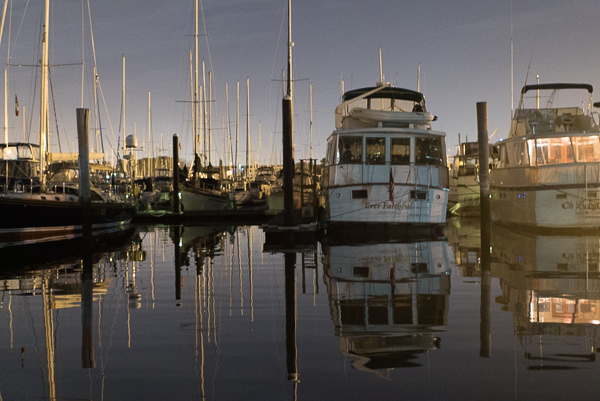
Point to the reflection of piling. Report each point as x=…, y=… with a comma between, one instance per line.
x=290, y=316
x=87, y=303
x=176, y=207
x=177, y=263
x=485, y=336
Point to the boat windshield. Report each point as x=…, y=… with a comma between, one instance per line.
x=20, y=152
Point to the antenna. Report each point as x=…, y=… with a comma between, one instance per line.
x=380, y=67
x=512, y=74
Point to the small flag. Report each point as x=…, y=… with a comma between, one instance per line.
x=180, y=148
x=391, y=187
x=16, y=106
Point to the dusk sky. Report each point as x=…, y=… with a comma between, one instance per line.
x=462, y=47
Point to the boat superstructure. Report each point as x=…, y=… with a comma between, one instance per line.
x=384, y=163
x=548, y=172
x=464, y=179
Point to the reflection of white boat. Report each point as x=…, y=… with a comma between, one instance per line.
x=385, y=165
x=388, y=300
x=551, y=285
x=548, y=172
x=464, y=179
x=465, y=239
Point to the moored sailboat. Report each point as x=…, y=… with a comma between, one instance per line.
x=38, y=211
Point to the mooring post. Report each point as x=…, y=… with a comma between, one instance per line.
x=85, y=192
x=176, y=208
x=485, y=335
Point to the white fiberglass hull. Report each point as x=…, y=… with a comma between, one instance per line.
x=410, y=205
x=556, y=197
x=547, y=208
x=464, y=197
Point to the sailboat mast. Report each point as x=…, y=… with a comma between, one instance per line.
x=237, y=125
x=44, y=100
x=124, y=125
x=196, y=83
x=290, y=85
x=6, y=124
x=311, y=123
x=203, y=94
x=209, y=115
x=150, y=161
x=247, y=126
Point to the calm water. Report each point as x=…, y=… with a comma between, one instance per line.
x=204, y=313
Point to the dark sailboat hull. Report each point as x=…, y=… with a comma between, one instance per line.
x=24, y=220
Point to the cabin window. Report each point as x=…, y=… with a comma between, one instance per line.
x=350, y=149
x=330, y=155
x=553, y=151
x=429, y=151
x=517, y=153
x=375, y=153
x=503, y=158
x=400, y=151
x=468, y=166
x=586, y=148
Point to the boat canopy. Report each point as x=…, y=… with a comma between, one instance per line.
x=386, y=93
x=587, y=87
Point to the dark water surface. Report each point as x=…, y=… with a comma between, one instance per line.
x=203, y=313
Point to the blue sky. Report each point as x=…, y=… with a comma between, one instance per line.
x=462, y=47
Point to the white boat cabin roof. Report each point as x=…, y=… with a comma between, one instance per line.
x=383, y=106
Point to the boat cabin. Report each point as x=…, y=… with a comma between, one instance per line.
x=466, y=162
x=19, y=166
x=380, y=149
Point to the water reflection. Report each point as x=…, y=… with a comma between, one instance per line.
x=388, y=301
x=551, y=285
x=464, y=238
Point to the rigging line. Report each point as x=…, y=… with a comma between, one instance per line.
x=55, y=119
x=106, y=110
x=283, y=19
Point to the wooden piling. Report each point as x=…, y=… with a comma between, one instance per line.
x=176, y=207
x=485, y=334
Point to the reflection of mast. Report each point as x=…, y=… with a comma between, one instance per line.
x=250, y=274
x=48, y=331
x=241, y=280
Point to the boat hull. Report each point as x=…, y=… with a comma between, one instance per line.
x=195, y=199
x=555, y=208
x=554, y=197
x=464, y=197
x=410, y=205
x=47, y=220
